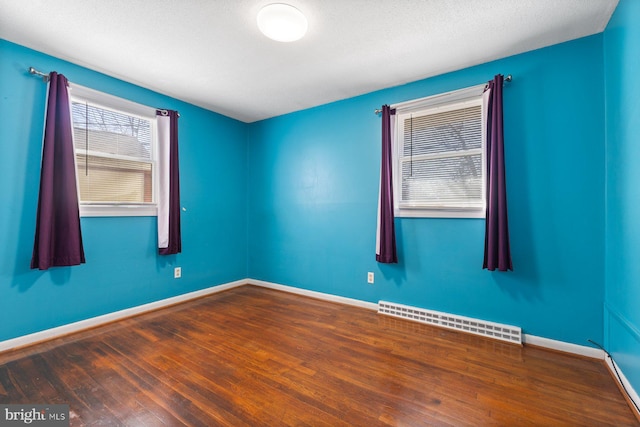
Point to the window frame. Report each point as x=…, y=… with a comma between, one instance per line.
x=449, y=101
x=106, y=101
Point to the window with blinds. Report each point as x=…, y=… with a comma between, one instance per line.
x=440, y=160
x=115, y=156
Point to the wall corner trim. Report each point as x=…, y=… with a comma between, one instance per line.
x=623, y=382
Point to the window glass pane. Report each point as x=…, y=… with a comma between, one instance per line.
x=114, y=155
x=111, y=132
x=439, y=159
x=113, y=180
x=456, y=178
x=442, y=132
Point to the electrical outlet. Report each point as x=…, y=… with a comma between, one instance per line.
x=370, y=277
x=177, y=272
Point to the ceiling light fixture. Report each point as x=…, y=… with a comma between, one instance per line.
x=282, y=22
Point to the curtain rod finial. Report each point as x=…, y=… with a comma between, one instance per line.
x=45, y=77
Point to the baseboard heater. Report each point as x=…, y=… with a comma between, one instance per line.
x=512, y=334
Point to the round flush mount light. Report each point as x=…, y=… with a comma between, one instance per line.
x=282, y=22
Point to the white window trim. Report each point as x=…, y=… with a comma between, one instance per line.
x=107, y=101
x=436, y=103
x=96, y=210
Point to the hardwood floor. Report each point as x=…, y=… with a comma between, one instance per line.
x=253, y=356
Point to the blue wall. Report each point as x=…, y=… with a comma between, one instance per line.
x=122, y=268
x=313, y=182
x=293, y=200
x=622, y=83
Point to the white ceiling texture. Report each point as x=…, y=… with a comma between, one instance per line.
x=210, y=52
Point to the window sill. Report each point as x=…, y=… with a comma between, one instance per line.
x=118, y=210
x=439, y=213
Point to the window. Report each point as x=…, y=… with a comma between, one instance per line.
x=439, y=164
x=115, y=147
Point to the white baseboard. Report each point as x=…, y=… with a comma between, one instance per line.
x=52, y=333
x=566, y=347
x=624, y=382
x=110, y=317
x=314, y=294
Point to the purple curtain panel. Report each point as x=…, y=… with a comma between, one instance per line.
x=497, y=251
x=58, y=238
x=386, y=234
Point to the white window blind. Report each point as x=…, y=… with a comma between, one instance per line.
x=440, y=166
x=115, y=156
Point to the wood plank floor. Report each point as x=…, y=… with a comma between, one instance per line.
x=252, y=356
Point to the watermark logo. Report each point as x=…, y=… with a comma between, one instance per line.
x=34, y=415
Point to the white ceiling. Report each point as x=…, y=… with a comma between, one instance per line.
x=210, y=52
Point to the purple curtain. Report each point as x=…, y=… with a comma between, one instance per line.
x=58, y=239
x=169, y=237
x=386, y=234
x=497, y=252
